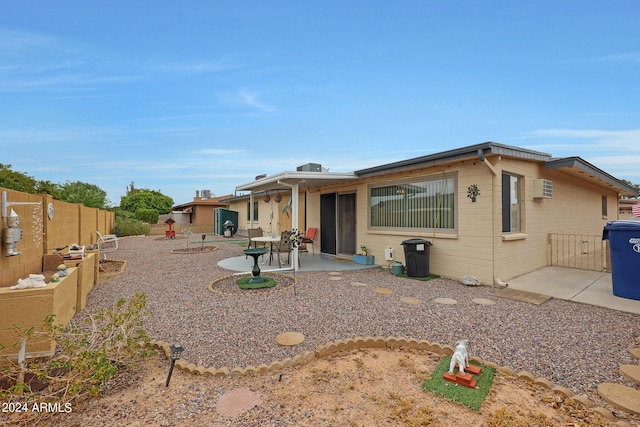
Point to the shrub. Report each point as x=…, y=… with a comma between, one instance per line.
x=91, y=351
x=131, y=227
x=150, y=216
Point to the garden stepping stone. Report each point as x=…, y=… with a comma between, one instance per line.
x=632, y=372
x=447, y=301
x=384, y=291
x=483, y=301
x=635, y=352
x=237, y=401
x=290, y=338
x=335, y=273
x=335, y=278
x=621, y=396
x=358, y=284
x=410, y=300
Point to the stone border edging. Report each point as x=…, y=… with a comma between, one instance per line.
x=177, y=251
x=391, y=343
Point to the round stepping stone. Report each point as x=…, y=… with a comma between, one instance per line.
x=335, y=278
x=410, y=300
x=290, y=338
x=632, y=372
x=335, y=273
x=483, y=301
x=625, y=398
x=447, y=301
x=359, y=284
x=635, y=352
x=384, y=291
x=237, y=401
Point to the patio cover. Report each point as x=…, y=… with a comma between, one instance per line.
x=293, y=181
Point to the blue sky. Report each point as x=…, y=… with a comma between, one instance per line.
x=193, y=95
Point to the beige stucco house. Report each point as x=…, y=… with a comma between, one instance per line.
x=489, y=209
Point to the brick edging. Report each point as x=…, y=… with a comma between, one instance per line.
x=379, y=342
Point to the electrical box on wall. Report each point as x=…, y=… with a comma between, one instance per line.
x=388, y=254
x=542, y=189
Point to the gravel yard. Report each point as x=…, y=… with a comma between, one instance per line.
x=571, y=344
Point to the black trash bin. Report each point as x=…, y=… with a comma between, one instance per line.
x=624, y=244
x=416, y=256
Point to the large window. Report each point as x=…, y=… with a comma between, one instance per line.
x=424, y=204
x=511, y=203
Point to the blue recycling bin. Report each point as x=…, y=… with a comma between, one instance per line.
x=624, y=245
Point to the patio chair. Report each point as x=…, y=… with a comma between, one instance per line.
x=107, y=243
x=310, y=237
x=285, y=246
x=254, y=232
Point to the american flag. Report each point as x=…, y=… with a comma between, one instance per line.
x=635, y=210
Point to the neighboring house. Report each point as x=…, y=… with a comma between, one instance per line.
x=625, y=208
x=200, y=210
x=488, y=209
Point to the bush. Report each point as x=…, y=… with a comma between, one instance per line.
x=131, y=227
x=150, y=216
x=91, y=353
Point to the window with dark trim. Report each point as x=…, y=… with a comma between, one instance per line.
x=255, y=210
x=428, y=204
x=604, y=205
x=511, y=203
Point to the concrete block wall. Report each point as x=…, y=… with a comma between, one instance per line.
x=71, y=223
x=28, y=308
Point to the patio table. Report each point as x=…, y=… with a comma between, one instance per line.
x=271, y=240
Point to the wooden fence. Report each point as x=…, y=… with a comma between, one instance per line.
x=579, y=251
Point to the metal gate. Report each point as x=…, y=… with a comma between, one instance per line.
x=579, y=251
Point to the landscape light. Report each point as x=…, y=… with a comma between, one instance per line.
x=176, y=350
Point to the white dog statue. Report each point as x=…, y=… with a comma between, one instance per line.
x=33, y=281
x=460, y=357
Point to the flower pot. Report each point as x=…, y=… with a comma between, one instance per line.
x=364, y=259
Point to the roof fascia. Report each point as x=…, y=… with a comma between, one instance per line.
x=471, y=151
x=583, y=165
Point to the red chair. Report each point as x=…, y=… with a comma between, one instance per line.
x=310, y=237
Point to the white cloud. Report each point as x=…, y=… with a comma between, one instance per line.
x=252, y=99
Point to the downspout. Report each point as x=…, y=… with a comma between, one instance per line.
x=496, y=231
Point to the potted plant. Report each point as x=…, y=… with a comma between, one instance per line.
x=364, y=258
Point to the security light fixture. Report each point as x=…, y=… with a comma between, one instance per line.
x=176, y=350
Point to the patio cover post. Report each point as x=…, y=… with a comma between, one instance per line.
x=251, y=209
x=294, y=219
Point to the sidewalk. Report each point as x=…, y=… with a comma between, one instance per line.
x=588, y=287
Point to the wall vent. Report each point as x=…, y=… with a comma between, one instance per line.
x=542, y=189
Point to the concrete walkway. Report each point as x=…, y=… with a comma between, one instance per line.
x=588, y=287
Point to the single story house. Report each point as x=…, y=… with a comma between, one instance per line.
x=200, y=210
x=488, y=209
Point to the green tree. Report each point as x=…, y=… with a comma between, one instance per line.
x=146, y=199
x=48, y=187
x=147, y=215
x=635, y=186
x=16, y=180
x=89, y=195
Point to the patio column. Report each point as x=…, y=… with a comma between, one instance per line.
x=250, y=210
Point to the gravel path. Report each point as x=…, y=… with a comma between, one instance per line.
x=572, y=344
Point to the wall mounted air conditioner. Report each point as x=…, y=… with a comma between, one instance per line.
x=542, y=189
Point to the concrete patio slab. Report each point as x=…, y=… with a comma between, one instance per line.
x=584, y=286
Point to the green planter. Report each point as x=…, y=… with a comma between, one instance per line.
x=364, y=259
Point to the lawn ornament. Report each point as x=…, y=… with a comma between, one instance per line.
x=460, y=357
x=33, y=281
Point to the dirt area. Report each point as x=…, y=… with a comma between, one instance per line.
x=369, y=387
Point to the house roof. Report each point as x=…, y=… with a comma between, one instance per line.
x=213, y=201
x=571, y=165
x=584, y=170
x=304, y=179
